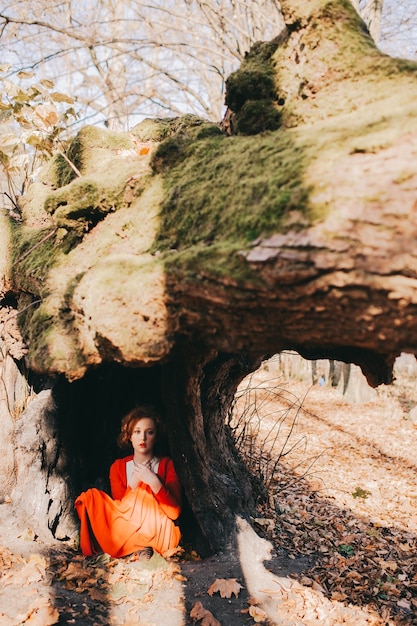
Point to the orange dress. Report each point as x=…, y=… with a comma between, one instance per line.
x=131, y=519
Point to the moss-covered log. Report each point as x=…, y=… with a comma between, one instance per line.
x=195, y=246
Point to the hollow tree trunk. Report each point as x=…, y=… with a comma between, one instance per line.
x=297, y=233
x=199, y=388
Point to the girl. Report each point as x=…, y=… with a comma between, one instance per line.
x=146, y=497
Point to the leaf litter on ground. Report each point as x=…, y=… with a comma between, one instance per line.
x=343, y=514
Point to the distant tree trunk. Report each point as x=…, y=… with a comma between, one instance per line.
x=335, y=372
x=346, y=376
x=372, y=14
x=314, y=372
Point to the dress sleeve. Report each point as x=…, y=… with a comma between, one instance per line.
x=169, y=496
x=118, y=480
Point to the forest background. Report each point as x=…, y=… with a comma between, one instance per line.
x=114, y=62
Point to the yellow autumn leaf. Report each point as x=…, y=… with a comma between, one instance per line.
x=47, y=83
x=47, y=114
x=24, y=74
x=225, y=587
x=9, y=88
x=62, y=97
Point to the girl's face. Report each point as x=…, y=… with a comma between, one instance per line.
x=143, y=436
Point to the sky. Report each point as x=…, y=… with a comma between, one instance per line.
x=399, y=28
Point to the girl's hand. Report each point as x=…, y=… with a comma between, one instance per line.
x=142, y=473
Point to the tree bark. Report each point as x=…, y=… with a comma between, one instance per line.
x=199, y=388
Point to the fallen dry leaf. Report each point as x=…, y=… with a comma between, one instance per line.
x=225, y=586
x=97, y=595
x=210, y=620
x=338, y=596
x=404, y=604
x=317, y=587
x=40, y=614
x=173, y=552
x=73, y=570
x=31, y=572
x=257, y=614
x=198, y=612
x=267, y=523
x=362, y=550
x=27, y=535
x=388, y=565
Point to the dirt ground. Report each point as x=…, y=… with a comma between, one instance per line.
x=335, y=540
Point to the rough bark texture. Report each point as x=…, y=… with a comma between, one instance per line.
x=198, y=390
x=196, y=252
x=42, y=495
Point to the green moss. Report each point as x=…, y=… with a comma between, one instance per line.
x=52, y=342
x=84, y=150
x=170, y=152
x=251, y=92
x=207, y=130
x=82, y=204
x=257, y=116
x=221, y=261
x=156, y=129
x=347, y=23
x=35, y=252
x=249, y=84
x=175, y=148
x=91, y=142
x=159, y=129
x=5, y=250
x=231, y=188
x=108, y=166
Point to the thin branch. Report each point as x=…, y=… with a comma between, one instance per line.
x=16, y=206
x=25, y=308
x=70, y=163
x=39, y=243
